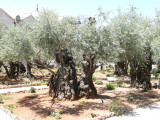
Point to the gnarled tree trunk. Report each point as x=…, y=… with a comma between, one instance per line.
x=86, y=87
x=121, y=68
x=133, y=73
x=141, y=74
x=63, y=85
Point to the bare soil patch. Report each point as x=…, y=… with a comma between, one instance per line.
x=39, y=105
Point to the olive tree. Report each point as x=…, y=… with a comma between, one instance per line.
x=132, y=34
x=14, y=48
x=92, y=45
x=51, y=39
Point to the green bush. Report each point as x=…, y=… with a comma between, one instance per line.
x=94, y=115
x=57, y=115
x=110, y=86
x=32, y=90
x=131, y=98
x=108, y=75
x=115, y=75
x=10, y=107
x=99, y=82
x=114, y=106
x=60, y=112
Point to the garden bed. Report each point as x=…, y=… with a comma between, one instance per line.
x=40, y=105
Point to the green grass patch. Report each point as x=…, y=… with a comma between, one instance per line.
x=110, y=86
x=4, y=98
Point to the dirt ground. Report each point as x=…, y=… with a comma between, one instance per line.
x=40, y=74
x=39, y=105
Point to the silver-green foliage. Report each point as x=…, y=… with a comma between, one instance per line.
x=132, y=34
x=15, y=45
x=51, y=33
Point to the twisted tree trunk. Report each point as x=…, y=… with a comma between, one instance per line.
x=140, y=74
x=133, y=73
x=121, y=68
x=86, y=87
x=63, y=85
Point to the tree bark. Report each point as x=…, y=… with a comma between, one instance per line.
x=86, y=87
x=140, y=74
x=133, y=73
x=121, y=68
x=63, y=85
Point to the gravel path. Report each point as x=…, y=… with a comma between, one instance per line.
x=4, y=115
x=11, y=90
x=148, y=112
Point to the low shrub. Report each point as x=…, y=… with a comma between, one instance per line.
x=94, y=115
x=32, y=90
x=57, y=115
x=10, y=107
x=131, y=98
x=120, y=83
x=115, y=106
x=99, y=82
x=110, y=86
x=115, y=75
x=108, y=75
